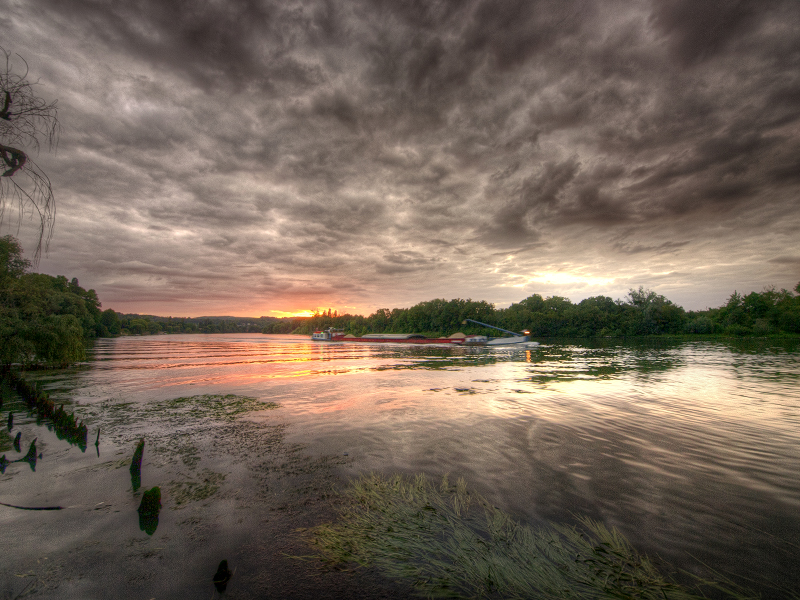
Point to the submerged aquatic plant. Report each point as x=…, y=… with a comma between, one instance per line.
x=450, y=543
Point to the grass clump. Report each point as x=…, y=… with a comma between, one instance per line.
x=447, y=542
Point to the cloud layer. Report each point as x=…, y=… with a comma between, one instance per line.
x=242, y=157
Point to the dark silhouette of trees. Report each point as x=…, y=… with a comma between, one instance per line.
x=26, y=121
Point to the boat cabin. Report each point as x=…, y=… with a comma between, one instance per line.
x=327, y=335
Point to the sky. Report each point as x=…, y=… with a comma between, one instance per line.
x=249, y=158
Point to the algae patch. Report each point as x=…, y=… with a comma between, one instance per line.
x=190, y=437
x=5, y=443
x=183, y=492
x=224, y=408
x=178, y=411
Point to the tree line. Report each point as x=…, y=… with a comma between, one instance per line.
x=50, y=320
x=46, y=320
x=641, y=313
x=135, y=324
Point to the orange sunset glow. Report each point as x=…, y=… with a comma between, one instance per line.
x=291, y=314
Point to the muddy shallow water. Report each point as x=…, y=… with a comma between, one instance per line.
x=690, y=449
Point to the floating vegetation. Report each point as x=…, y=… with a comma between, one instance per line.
x=65, y=424
x=447, y=542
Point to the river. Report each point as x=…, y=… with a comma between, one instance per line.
x=690, y=449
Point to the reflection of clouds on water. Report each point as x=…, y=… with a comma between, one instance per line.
x=688, y=447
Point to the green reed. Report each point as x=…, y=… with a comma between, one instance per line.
x=447, y=542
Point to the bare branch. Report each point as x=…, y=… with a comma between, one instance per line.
x=34, y=198
x=25, y=120
x=14, y=159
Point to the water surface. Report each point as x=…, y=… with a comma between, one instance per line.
x=691, y=449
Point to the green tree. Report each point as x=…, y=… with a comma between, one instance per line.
x=138, y=326
x=12, y=265
x=110, y=323
x=57, y=340
x=652, y=314
x=43, y=319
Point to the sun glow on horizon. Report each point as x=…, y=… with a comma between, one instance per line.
x=321, y=311
x=284, y=314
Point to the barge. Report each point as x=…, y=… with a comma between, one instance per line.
x=338, y=335
x=457, y=339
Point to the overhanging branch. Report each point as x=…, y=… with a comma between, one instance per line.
x=13, y=158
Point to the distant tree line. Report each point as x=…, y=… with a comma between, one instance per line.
x=643, y=312
x=134, y=324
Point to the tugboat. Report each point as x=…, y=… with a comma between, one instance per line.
x=511, y=339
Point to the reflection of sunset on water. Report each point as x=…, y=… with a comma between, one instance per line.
x=663, y=438
x=547, y=381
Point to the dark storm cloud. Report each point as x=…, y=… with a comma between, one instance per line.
x=665, y=248
x=404, y=262
x=212, y=43
x=697, y=31
x=410, y=141
x=786, y=260
x=511, y=33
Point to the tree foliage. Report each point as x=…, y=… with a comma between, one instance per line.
x=26, y=121
x=642, y=313
x=43, y=319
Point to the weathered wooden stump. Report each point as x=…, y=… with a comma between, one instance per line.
x=222, y=576
x=136, y=465
x=149, y=509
